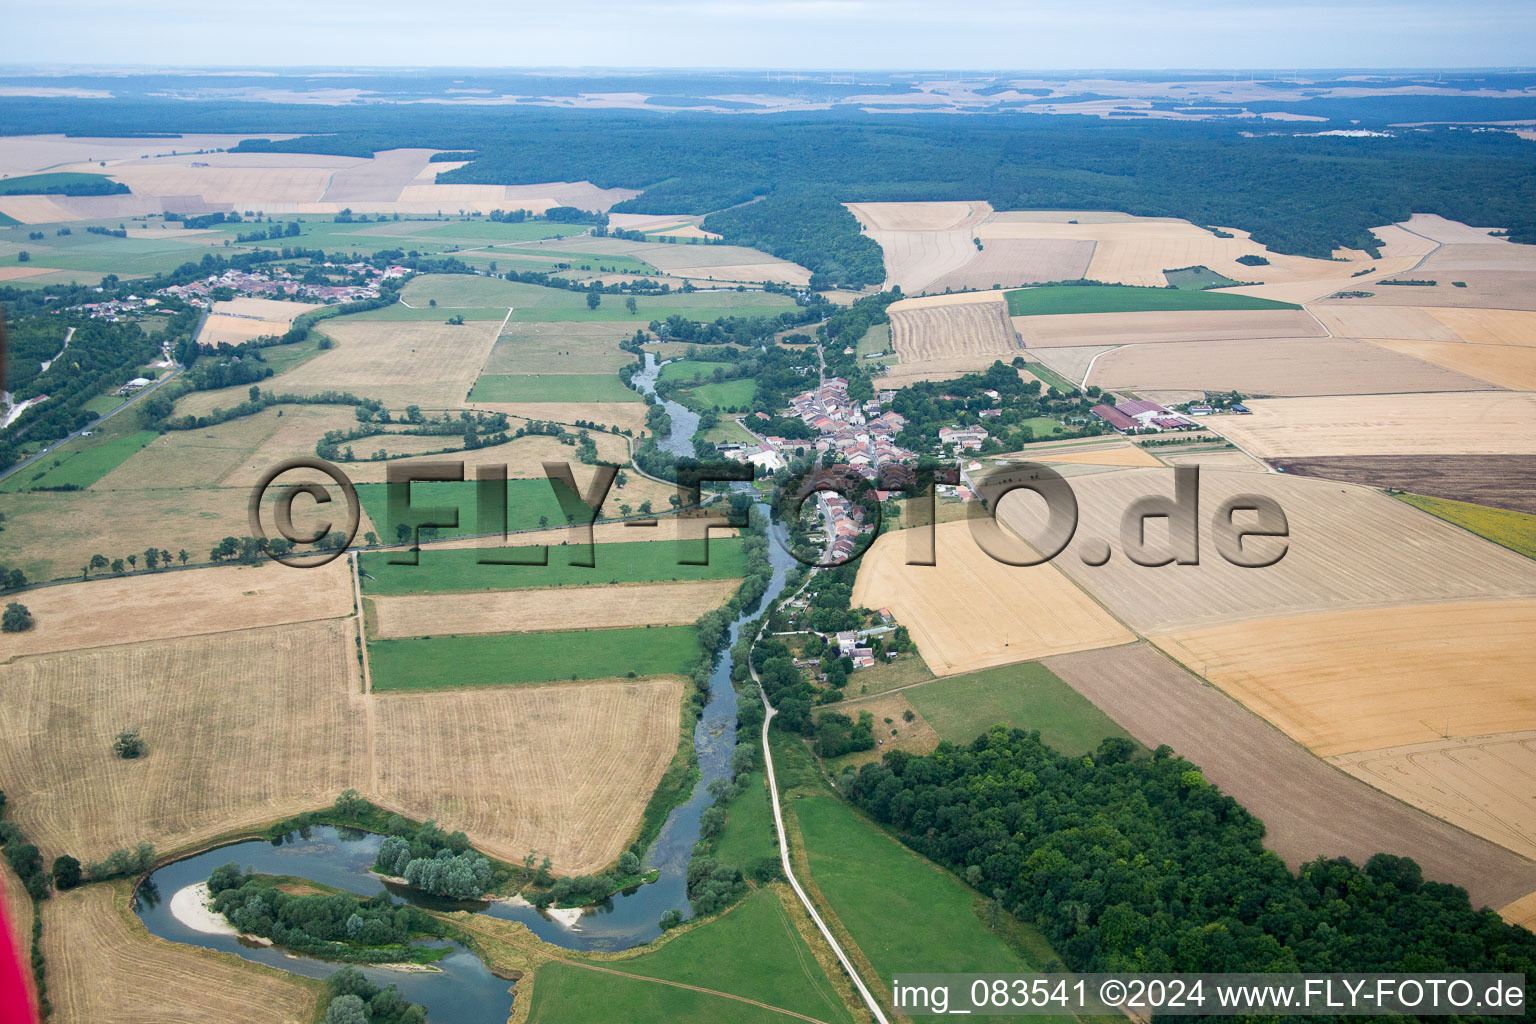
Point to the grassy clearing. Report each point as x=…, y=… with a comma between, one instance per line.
x=753, y=951
x=80, y=464
x=729, y=430
x=1194, y=279
x=747, y=838
x=1513, y=530
x=527, y=502
x=441, y=663
x=452, y=569
x=1027, y=696
x=724, y=395
x=553, y=387
x=691, y=369
x=1117, y=298
x=877, y=339
x=904, y=912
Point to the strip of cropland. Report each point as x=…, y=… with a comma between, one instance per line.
x=1116, y=298
x=449, y=569
x=552, y=387
x=453, y=662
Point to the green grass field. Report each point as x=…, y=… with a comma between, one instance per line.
x=1027, y=696
x=1513, y=530
x=691, y=369
x=753, y=951
x=450, y=569
x=1116, y=298
x=1194, y=279
x=723, y=395
x=905, y=913
x=81, y=463
x=748, y=834
x=527, y=502
x=443, y=663
x=1050, y=377
x=551, y=387
x=36, y=184
x=877, y=339
x=728, y=429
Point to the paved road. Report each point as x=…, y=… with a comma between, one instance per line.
x=98, y=421
x=778, y=824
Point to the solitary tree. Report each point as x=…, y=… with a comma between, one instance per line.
x=129, y=745
x=117, y=566
x=182, y=554
x=631, y=305
x=16, y=619
x=98, y=562
x=594, y=299
x=151, y=558
x=66, y=872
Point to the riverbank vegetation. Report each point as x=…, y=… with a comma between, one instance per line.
x=334, y=925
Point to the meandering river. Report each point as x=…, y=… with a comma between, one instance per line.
x=464, y=992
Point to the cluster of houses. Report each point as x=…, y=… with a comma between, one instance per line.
x=1131, y=417
x=963, y=438
x=845, y=522
x=115, y=309
x=860, y=435
x=277, y=283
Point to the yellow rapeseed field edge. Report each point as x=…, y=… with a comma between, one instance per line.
x=1513, y=530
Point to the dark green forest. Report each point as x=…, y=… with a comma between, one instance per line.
x=1138, y=864
x=1295, y=193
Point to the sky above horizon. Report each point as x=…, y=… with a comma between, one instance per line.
x=822, y=34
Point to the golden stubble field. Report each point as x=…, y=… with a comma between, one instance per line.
x=977, y=331
x=1484, y=784
x=540, y=609
x=1348, y=547
x=562, y=770
x=133, y=609
x=1290, y=367
x=1063, y=330
x=1477, y=423
x=1370, y=678
x=969, y=611
x=104, y=965
x=401, y=363
x=243, y=728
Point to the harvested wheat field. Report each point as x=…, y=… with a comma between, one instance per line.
x=1504, y=365
x=1377, y=677
x=970, y=611
x=625, y=415
x=1449, y=232
x=559, y=348
x=974, y=330
x=1348, y=547
x=268, y=181
x=532, y=611
x=1289, y=367
x=1485, y=326
x=279, y=310
x=1411, y=323
x=1123, y=454
x=1212, y=457
x=79, y=524
x=1309, y=808
x=234, y=453
x=1075, y=329
x=1011, y=262
x=1478, y=289
x=1521, y=912
x=233, y=330
x=131, y=609
x=432, y=365
x=1484, y=784
x=1500, y=481
x=104, y=965
x=243, y=728
x=922, y=242
x=1454, y=258
x=565, y=770
x=1478, y=423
